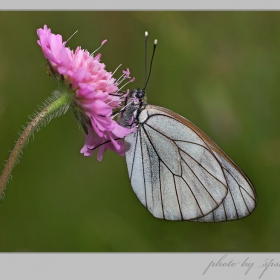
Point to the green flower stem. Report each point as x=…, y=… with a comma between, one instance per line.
x=42, y=117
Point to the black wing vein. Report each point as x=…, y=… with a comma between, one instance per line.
x=143, y=172
x=177, y=197
x=134, y=155
x=194, y=197
x=200, y=181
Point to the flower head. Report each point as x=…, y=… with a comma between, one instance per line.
x=95, y=93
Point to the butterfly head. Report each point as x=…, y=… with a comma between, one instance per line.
x=135, y=102
x=138, y=94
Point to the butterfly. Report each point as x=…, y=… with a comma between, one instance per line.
x=177, y=171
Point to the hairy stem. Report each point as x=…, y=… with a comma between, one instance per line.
x=51, y=110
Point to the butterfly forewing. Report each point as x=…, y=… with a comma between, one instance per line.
x=179, y=173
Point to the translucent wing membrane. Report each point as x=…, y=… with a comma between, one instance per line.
x=178, y=173
x=240, y=200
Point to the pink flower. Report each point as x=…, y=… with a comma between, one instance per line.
x=95, y=92
x=126, y=73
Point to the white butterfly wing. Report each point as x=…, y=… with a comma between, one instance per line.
x=178, y=173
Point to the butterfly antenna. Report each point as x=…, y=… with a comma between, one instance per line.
x=146, y=44
x=154, y=50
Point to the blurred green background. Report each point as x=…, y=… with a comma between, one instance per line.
x=220, y=70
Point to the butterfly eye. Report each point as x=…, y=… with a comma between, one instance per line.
x=140, y=94
x=133, y=93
